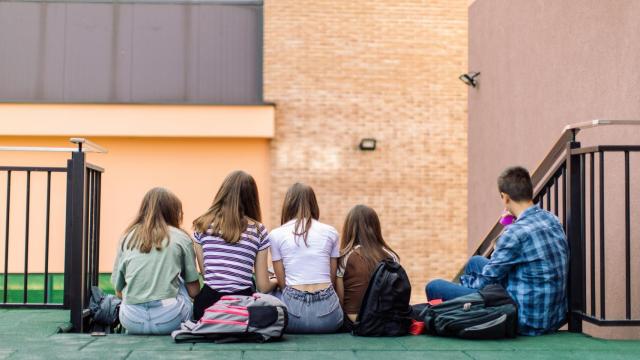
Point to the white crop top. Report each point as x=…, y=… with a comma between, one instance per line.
x=304, y=264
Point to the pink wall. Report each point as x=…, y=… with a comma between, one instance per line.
x=545, y=64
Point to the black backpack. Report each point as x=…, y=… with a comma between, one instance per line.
x=487, y=314
x=385, y=309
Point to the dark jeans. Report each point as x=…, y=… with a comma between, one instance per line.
x=208, y=297
x=447, y=290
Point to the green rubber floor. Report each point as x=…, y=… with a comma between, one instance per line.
x=31, y=334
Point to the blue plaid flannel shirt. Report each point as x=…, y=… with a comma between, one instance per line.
x=531, y=258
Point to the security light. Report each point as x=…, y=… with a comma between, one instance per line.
x=469, y=79
x=368, y=144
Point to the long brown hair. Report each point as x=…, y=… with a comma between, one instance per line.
x=362, y=227
x=300, y=203
x=159, y=209
x=235, y=204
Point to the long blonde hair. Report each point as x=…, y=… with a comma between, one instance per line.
x=362, y=227
x=300, y=204
x=235, y=204
x=159, y=209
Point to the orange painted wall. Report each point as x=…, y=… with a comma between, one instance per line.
x=193, y=168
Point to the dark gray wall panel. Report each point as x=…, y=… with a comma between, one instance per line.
x=88, y=61
x=50, y=69
x=130, y=53
x=19, y=50
x=159, y=58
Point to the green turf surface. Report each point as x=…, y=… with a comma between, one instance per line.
x=35, y=287
x=30, y=334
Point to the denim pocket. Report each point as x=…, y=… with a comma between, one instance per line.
x=131, y=318
x=328, y=305
x=294, y=305
x=169, y=317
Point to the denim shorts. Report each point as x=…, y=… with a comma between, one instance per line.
x=313, y=312
x=156, y=317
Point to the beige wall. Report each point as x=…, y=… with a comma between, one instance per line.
x=545, y=64
x=193, y=168
x=139, y=120
x=340, y=71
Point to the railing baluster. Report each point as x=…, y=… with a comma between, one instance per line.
x=555, y=195
x=548, y=198
x=602, y=246
x=26, y=240
x=46, y=240
x=564, y=198
x=592, y=232
x=94, y=209
x=576, y=260
x=87, y=225
x=6, y=238
x=97, y=238
x=627, y=220
x=90, y=264
x=583, y=226
x=75, y=244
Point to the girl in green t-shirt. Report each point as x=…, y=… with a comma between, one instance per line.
x=155, y=272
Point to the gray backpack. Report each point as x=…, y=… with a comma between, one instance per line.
x=487, y=314
x=259, y=317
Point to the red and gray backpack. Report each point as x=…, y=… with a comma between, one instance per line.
x=259, y=317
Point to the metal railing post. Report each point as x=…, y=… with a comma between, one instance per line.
x=74, y=291
x=576, y=286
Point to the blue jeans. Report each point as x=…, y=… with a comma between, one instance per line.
x=157, y=317
x=313, y=312
x=446, y=290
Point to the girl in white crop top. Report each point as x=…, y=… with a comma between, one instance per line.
x=305, y=256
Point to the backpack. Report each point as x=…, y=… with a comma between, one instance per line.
x=487, y=314
x=385, y=309
x=104, y=310
x=259, y=317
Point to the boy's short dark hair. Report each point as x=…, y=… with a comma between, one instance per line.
x=516, y=182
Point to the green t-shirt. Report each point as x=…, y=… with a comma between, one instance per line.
x=154, y=275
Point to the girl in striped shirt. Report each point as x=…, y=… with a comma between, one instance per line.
x=231, y=243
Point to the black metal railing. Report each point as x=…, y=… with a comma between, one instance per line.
x=12, y=174
x=588, y=294
x=82, y=231
x=82, y=236
x=564, y=184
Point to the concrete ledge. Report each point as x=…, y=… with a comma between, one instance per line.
x=119, y=120
x=611, y=332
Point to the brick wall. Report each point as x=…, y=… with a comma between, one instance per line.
x=340, y=71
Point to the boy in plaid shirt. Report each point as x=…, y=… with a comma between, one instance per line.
x=530, y=259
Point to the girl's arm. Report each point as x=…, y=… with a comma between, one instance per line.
x=340, y=290
x=193, y=288
x=263, y=282
x=278, y=268
x=199, y=257
x=333, y=270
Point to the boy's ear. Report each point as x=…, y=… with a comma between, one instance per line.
x=505, y=198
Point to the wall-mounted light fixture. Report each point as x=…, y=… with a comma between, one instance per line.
x=470, y=78
x=368, y=144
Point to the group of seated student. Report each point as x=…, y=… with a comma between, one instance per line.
x=320, y=276
x=315, y=275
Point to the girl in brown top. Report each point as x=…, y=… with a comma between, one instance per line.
x=361, y=250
